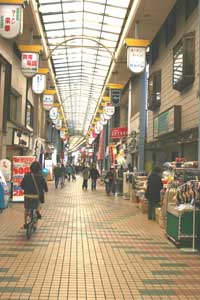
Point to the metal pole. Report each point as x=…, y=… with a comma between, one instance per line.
x=199, y=89
x=142, y=131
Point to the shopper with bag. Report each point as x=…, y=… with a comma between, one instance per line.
x=154, y=186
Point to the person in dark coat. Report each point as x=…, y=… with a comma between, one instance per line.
x=33, y=194
x=154, y=186
x=94, y=174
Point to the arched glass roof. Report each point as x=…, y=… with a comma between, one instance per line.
x=87, y=32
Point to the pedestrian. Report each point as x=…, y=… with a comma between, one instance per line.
x=62, y=179
x=57, y=171
x=109, y=181
x=120, y=181
x=86, y=175
x=154, y=186
x=34, y=186
x=69, y=171
x=94, y=174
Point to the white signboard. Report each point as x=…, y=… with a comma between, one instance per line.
x=109, y=110
x=103, y=121
x=11, y=20
x=98, y=128
x=5, y=167
x=136, y=59
x=62, y=134
x=48, y=101
x=53, y=113
x=39, y=83
x=30, y=62
x=58, y=124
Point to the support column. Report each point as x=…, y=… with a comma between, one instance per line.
x=199, y=90
x=142, y=123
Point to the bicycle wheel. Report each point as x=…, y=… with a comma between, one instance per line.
x=35, y=220
x=29, y=226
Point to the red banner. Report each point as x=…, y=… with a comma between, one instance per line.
x=119, y=133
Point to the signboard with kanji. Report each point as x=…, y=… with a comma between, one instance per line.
x=11, y=20
x=30, y=62
x=119, y=133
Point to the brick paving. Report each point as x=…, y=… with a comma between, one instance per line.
x=90, y=246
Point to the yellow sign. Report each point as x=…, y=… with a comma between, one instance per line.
x=12, y=1
x=116, y=86
x=137, y=43
x=30, y=48
x=106, y=99
x=50, y=92
x=43, y=71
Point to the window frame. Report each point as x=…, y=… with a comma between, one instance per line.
x=153, y=103
x=187, y=78
x=17, y=110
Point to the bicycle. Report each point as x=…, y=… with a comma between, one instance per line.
x=32, y=220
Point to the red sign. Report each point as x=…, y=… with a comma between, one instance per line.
x=119, y=133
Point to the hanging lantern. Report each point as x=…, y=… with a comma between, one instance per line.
x=30, y=59
x=48, y=99
x=98, y=127
x=11, y=20
x=58, y=124
x=109, y=110
x=39, y=81
x=53, y=113
x=136, y=54
x=103, y=121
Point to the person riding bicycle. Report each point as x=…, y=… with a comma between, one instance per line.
x=34, y=186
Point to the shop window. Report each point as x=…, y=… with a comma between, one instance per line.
x=154, y=91
x=155, y=49
x=170, y=26
x=15, y=108
x=184, y=62
x=190, y=6
x=29, y=114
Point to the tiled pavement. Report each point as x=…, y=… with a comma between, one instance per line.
x=90, y=246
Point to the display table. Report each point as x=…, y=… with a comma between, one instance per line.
x=180, y=225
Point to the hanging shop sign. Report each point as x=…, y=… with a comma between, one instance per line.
x=119, y=133
x=53, y=113
x=30, y=63
x=115, y=95
x=136, y=59
x=103, y=121
x=39, y=83
x=48, y=101
x=58, y=124
x=109, y=110
x=168, y=122
x=98, y=127
x=11, y=20
x=63, y=133
x=106, y=117
x=21, y=166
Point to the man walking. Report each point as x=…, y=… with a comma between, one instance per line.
x=94, y=174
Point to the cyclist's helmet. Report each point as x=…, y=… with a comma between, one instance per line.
x=35, y=167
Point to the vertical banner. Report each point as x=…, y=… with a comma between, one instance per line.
x=11, y=20
x=21, y=166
